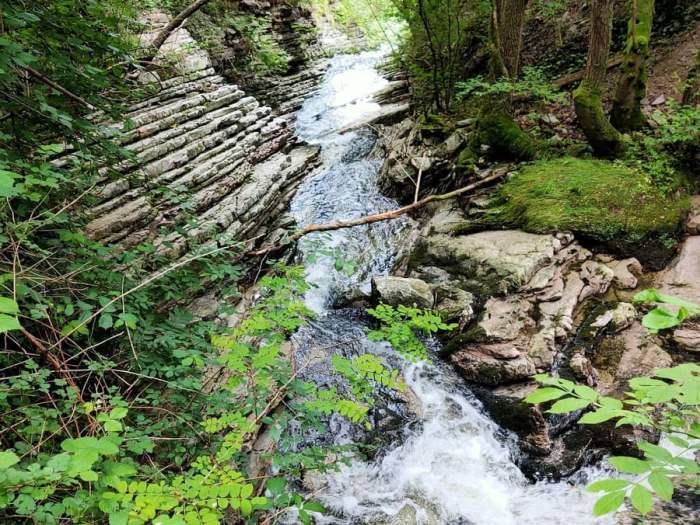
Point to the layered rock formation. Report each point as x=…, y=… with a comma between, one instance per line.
x=208, y=159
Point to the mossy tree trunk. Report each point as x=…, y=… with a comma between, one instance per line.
x=605, y=140
x=496, y=125
x=691, y=94
x=627, y=113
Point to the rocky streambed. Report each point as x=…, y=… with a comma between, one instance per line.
x=460, y=446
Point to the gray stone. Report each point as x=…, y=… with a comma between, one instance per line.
x=493, y=261
x=454, y=304
x=506, y=319
x=406, y=516
x=476, y=365
x=625, y=273
x=617, y=319
x=402, y=290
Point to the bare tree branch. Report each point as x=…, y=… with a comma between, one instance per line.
x=378, y=217
x=172, y=26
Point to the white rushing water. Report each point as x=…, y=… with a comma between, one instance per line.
x=454, y=466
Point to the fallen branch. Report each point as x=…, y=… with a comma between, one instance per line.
x=575, y=77
x=64, y=373
x=46, y=80
x=172, y=26
x=378, y=217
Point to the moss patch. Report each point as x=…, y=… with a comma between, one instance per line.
x=505, y=137
x=598, y=200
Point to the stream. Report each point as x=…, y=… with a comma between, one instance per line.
x=445, y=462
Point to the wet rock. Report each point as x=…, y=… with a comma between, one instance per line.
x=507, y=408
x=454, y=304
x=682, y=280
x=445, y=217
x=201, y=148
x=406, y=516
x=453, y=144
x=582, y=369
x=402, y=290
x=486, y=367
x=389, y=114
x=631, y=353
x=617, y=319
x=688, y=337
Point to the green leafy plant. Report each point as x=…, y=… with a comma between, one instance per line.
x=668, y=402
x=533, y=85
x=403, y=326
x=660, y=318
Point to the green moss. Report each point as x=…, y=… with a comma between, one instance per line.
x=596, y=199
x=505, y=137
x=605, y=140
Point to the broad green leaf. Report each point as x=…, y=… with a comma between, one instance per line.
x=610, y=403
x=629, y=465
x=653, y=296
x=88, y=475
x=661, y=485
x=599, y=416
x=609, y=503
x=7, y=459
x=7, y=182
x=660, y=319
x=119, y=518
x=113, y=426
x=314, y=506
x=585, y=392
x=654, y=451
x=8, y=306
x=106, y=321
x=118, y=413
x=8, y=323
x=608, y=485
x=570, y=404
x=641, y=499
x=542, y=395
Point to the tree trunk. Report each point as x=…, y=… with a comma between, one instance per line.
x=497, y=128
x=691, y=94
x=605, y=140
x=507, y=37
x=631, y=89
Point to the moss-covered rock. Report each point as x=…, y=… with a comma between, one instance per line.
x=600, y=201
x=504, y=137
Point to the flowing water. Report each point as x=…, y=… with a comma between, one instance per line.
x=447, y=459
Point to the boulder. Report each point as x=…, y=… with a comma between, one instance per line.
x=402, y=290
x=633, y=352
x=617, y=319
x=507, y=408
x=486, y=366
x=492, y=262
x=505, y=319
x=454, y=304
x=406, y=516
x=688, y=337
